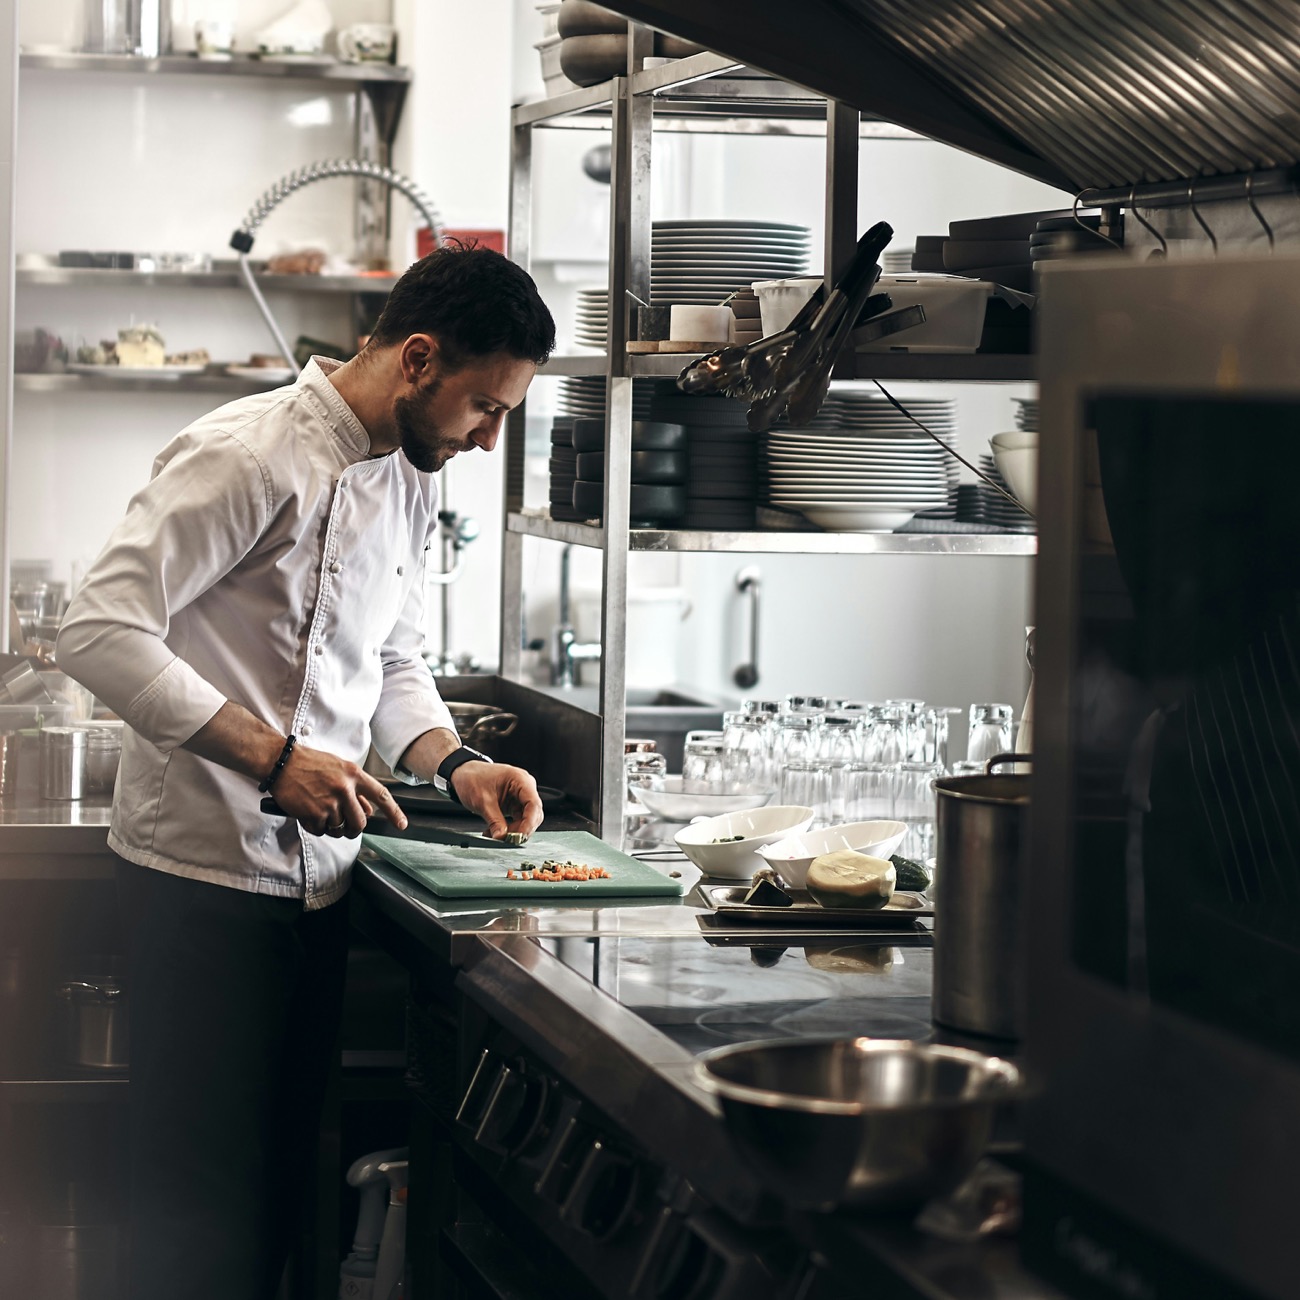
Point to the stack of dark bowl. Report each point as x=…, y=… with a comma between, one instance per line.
x=722, y=460
x=659, y=466
x=564, y=470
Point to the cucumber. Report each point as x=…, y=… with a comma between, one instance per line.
x=912, y=876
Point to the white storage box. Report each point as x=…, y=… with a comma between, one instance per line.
x=780, y=301
x=954, y=312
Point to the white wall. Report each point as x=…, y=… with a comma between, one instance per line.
x=108, y=161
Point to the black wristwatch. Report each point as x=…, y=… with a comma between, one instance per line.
x=457, y=757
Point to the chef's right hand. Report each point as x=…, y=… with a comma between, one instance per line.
x=327, y=795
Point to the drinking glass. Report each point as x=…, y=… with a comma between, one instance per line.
x=805, y=703
x=762, y=708
x=868, y=792
x=797, y=736
x=640, y=767
x=702, y=766
x=808, y=785
x=745, y=757
x=886, y=740
x=914, y=806
x=840, y=741
x=990, y=731
x=913, y=716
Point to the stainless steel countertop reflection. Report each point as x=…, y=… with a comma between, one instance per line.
x=56, y=831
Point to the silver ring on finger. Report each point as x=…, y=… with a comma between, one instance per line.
x=333, y=830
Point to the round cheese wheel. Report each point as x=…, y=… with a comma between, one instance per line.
x=850, y=879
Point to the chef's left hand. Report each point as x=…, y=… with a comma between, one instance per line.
x=504, y=796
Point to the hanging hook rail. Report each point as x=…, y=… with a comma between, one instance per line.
x=1078, y=221
x=1200, y=220
x=1259, y=216
x=1147, y=226
x=1209, y=189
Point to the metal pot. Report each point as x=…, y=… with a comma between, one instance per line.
x=482, y=726
x=95, y=1023
x=979, y=950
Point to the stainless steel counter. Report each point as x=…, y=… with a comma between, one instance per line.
x=55, y=839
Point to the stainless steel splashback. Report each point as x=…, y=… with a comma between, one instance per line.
x=1082, y=93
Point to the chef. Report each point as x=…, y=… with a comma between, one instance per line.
x=256, y=620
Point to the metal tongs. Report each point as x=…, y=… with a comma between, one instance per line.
x=792, y=370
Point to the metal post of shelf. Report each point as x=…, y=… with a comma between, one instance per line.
x=8, y=171
x=629, y=270
x=843, y=123
x=512, y=544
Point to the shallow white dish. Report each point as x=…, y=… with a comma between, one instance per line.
x=134, y=372
x=665, y=798
x=262, y=374
x=793, y=855
x=738, y=859
x=858, y=521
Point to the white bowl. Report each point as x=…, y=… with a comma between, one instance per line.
x=737, y=859
x=1019, y=467
x=1014, y=440
x=665, y=798
x=793, y=855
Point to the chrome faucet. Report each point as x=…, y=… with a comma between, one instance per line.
x=567, y=652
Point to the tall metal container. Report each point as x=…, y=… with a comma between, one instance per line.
x=979, y=955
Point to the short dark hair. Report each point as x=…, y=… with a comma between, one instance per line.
x=474, y=301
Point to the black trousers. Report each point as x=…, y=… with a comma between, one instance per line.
x=235, y=1001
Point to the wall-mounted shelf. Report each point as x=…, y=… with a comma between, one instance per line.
x=223, y=276
x=225, y=385
x=241, y=65
x=778, y=542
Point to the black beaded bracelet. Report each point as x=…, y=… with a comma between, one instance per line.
x=264, y=786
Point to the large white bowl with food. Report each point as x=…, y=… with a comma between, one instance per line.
x=665, y=798
x=791, y=857
x=727, y=845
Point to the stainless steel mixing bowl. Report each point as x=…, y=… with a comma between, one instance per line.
x=859, y=1121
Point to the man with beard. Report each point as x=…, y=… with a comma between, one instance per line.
x=257, y=621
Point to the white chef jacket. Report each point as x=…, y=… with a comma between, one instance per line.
x=270, y=561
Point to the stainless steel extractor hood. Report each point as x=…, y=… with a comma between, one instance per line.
x=1079, y=93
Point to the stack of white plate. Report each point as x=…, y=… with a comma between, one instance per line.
x=995, y=508
x=703, y=262
x=591, y=318
x=850, y=482
x=1027, y=415
x=586, y=396
x=871, y=414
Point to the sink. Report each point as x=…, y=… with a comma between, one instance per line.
x=663, y=714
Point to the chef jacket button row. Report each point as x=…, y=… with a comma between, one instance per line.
x=305, y=729
x=318, y=649
x=336, y=567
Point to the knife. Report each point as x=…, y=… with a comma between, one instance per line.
x=511, y=839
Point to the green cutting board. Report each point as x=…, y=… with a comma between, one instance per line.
x=481, y=873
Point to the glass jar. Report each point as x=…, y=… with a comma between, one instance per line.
x=990, y=731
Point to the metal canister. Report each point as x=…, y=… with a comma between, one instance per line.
x=63, y=763
x=979, y=948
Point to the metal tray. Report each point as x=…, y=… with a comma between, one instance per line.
x=728, y=903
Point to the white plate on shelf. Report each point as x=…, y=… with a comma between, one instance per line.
x=134, y=372
x=863, y=519
x=262, y=374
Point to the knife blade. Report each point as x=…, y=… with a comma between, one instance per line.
x=435, y=835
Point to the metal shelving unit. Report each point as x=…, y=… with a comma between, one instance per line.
x=222, y=276
x=241, y=65
x=217, y=384
x=706, y=92
x=774, y=542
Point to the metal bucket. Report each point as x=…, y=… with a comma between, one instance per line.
x=979, y=957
